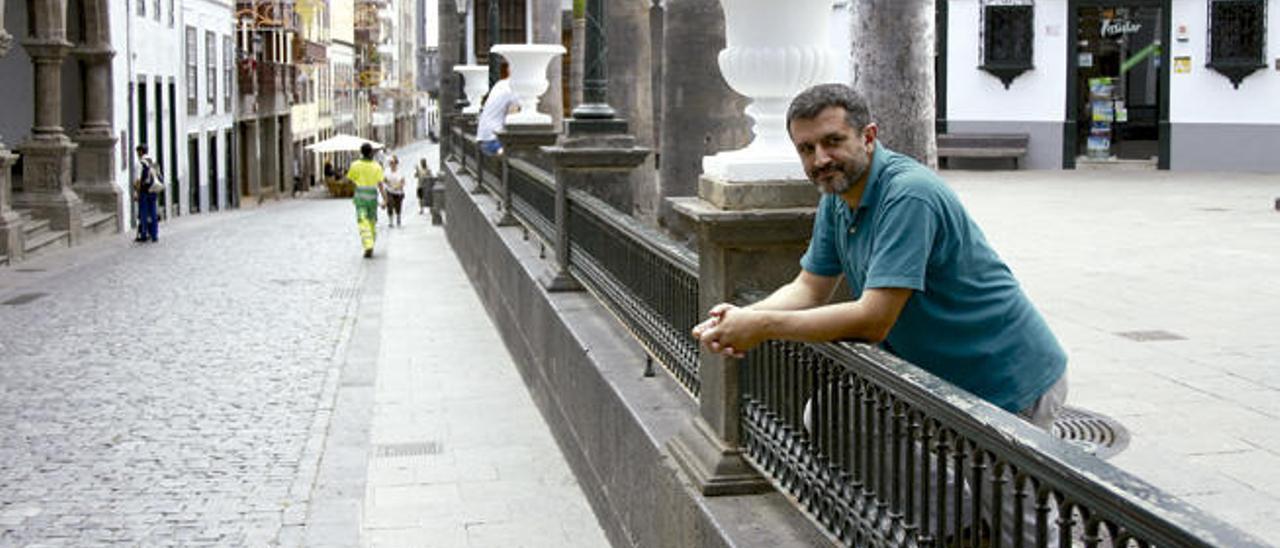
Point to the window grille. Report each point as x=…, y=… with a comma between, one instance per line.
x=1237, y=38
x=1008, y=34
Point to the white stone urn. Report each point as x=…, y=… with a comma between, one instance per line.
x=528, y=64
x=477, y=84
x=774, y=50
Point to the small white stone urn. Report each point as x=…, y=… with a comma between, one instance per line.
x=477, y=84
x=774, y=50
x=528, y=64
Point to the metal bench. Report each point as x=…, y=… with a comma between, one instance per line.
x=982, y=145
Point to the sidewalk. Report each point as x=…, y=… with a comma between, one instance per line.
x=1165, y=290
x=459, y=455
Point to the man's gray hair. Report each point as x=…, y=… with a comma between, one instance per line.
x=811, y=102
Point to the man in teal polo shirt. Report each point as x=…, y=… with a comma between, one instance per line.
x=926, y=284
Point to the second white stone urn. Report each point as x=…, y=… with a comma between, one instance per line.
x=477, y=84
x=774, y=50
x=528, y=64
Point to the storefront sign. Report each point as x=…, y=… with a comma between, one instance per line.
x=1182, y=65
x=1112, y=28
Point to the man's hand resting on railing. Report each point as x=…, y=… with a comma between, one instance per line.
x=795, y=312
x=731, y=337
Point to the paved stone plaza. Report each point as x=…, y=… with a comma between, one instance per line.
x=1163, y=288
x=251, y=380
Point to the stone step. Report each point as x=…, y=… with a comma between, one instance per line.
x=31, y=225
x=4, y=260
x=44, y=240
x=96, y=221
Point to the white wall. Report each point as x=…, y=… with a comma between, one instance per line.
x=215, y=16
x=1206, y=96
x=432, y=16
x=1037, y=95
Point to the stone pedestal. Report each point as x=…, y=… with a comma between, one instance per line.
x=95, y=162
x=46, y=181
x=11, y=243
x=599, y=161
x=524, y=142
x=751, y=237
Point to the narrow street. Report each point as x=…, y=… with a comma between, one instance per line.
x=192, y=392
x=167, y=392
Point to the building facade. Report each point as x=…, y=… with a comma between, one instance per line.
x=1173, y=84
x=265, y=87
x=208, y=84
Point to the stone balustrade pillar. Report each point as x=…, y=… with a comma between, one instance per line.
x=47, y=154
x=522, y=142
x=750, y=238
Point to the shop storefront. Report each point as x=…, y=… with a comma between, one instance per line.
x=1169, y=84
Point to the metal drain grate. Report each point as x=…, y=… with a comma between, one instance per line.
x=24, y=299
x=1153, y=335
x=28, y=270
x=1097, y=434
x=344, y=293
x=414, y=449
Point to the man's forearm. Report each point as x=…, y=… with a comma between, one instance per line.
x=793, y=296
x=840, y=321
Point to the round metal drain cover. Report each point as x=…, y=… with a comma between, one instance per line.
x=1097, y=434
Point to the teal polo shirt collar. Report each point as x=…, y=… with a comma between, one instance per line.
x=870, y=196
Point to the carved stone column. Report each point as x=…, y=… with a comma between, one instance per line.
x=46, y=165
x=10, y=231
x=11, y=240
x=95, y=157
x=5, y=38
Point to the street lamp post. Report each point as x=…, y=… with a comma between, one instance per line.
x=595, y=80
x=461, y=6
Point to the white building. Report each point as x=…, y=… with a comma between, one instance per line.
x=148, y=98
x=1118, y=82
x=208, y=103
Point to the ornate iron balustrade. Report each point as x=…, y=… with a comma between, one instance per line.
x=882, y=453
x=465, y=149
x=533, y=198
x=648, y=280
x=492, y=169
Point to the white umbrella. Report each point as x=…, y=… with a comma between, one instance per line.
x=342, y=143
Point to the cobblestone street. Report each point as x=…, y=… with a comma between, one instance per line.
x=171, y=393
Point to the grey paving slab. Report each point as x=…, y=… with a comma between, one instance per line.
x=1197, y=255
x=493, y=475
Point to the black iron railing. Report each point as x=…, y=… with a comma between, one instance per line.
x=492, y=169
x=876, y=450
x=533, y=195
x=648, y=280
x=882, y=453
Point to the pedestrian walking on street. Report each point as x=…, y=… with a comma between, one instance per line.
x=367, y=176
x=926, y=284
x=394, y=192
x=147, y=188
x=426, y=183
